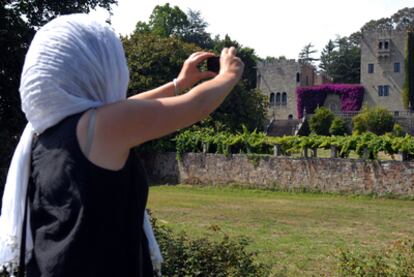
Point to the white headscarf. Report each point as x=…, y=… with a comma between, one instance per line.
x=74, y=63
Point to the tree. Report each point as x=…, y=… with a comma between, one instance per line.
x=376, y=120
x=246, y=54
x=321, y=121
x=328, y=56
x=305, y=55
x=338, y=127
x=196, y=32
x=19, y=19
x=401, y=20
x=154, y=60
x=341, y=60
x=408, y=87
x=167, y=21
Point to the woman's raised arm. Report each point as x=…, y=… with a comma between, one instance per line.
x=123, y=125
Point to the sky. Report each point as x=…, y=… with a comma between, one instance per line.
x=271, y=27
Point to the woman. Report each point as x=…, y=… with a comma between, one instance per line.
x=87, y=193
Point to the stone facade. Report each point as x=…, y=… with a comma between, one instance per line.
x=382, y=68
x=278, y=79
x=315, y=174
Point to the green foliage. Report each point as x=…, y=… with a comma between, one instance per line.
x=359, y=122
x=408, y=87
x=376, y=120
x=379, y=121
x=341, y=60
x=247, y=55
x=196, y=32
x=209, y=140
x=154, y=60
x=338, y=127
x=321, y=121
x=222, y=256
x=395, y=260
x=401, y=20
x=328, y=57
x=166, y=21
x=242, y=107
x=397, y=130
x=305, y=55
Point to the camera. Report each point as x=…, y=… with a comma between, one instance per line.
x=213, y=64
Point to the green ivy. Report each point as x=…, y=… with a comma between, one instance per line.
x=408, y=87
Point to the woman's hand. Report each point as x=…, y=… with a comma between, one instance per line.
x=190, y=74
x=230, y=65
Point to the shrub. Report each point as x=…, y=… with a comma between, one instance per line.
x=219, y=257
x=321, y=121
x=338, y=127
x=395, y=260
x=185, y=256
x=376, y=120
x=380, y=121
x=397, y=130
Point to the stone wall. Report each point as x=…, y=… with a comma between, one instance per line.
x=318, y=174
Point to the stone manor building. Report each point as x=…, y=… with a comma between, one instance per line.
x=278, y=79
x=382, y=75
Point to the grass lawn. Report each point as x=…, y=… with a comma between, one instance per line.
x=297, y=233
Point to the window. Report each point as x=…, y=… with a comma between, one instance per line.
x=386, y=45
x=284, y=98
x=397, y=67
x=272, y=99
x=380, y=45
x=380, y=90
x=278, y=98
x=290, y=116
x=384, y=90
x=297, y=77
x=370, y=68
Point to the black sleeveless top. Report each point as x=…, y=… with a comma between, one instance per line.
x=85, y=220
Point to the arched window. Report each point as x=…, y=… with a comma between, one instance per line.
x=272, y=99
x=297, y=77
x=290, y=116
x=278, y=98
x=284, y=98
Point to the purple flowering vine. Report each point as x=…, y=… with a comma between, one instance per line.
x=310, y=98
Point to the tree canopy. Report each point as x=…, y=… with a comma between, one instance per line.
x=155, y=56
x=340, y=59
x=166, y=21
x=305, y=55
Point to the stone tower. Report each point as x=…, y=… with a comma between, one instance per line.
x=382, y=68
x=278, y=79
